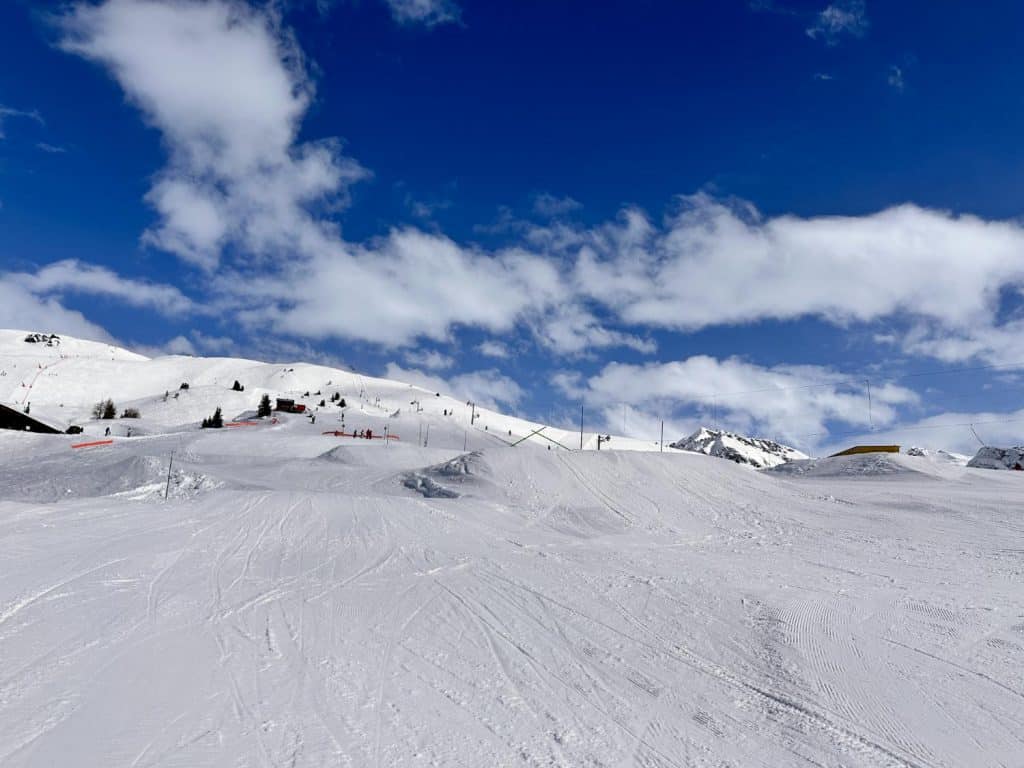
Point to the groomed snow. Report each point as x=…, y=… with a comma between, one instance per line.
x=305, y=600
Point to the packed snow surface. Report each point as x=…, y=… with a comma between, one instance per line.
x=756, y=452
x=304, y=599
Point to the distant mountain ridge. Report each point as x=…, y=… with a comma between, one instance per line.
x=758, y=452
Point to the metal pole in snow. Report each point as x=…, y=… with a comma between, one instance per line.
x=426, y=439
x=170, y=464
x=581, y=426
x=661, y=443
x=871, y=420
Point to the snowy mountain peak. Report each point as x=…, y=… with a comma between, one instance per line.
x=757, y=452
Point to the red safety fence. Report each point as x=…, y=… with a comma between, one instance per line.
x=337, y=433
x=93, y=443
x=241, y=424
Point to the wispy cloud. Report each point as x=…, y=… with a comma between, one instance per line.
x=895, y=79
x=843, y=17
x=50, y=148
x=430, y=359
x=488, y=388
x=492, y=348
x=71, y=276
x=429, y=13
x=9, y=112
x=550, y=206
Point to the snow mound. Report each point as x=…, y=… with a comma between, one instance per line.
x=471, y=463
x=433, y=481
x=939, y=456
x=756, y=452
x=998, y=458
x=106, y=473
x=427, y=486
x=859, y=465
x=868, y=465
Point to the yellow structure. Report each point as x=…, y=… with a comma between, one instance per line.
x=867, y=449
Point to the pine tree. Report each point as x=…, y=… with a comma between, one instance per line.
x=237, y=387
x=109, y=411
x=214, y=422
x=264, y=406
x=341, y=403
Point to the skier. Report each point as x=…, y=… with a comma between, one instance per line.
x=369, y=434
x=107, y=433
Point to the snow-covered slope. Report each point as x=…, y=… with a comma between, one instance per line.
x=302, y=599
x=67, y=379
x=753, y=451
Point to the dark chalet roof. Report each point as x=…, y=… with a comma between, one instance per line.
x=13, y=417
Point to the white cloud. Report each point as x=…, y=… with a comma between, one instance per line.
x=488, y=389
x=195, y=343
x=410, y=284
x=227, y=88
x=1001, y=345
x=430, y=13
x=549, y=206
x=895, y=78
x=430, y=359
x=713, y=264
x=571, y=329
x=492, y=348
x=787, y=402
x=843, y=17
x=22, y=310
x=50, y=149
x=6, y=112
x=71, y=276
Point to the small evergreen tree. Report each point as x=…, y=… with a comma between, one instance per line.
x=104, y=409
x=130, y=413
x=322, y=403
x=264, y=407
x=214, y=422
x=237, y=387
x=341, y=403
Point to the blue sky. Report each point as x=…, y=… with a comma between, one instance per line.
x=741, y=212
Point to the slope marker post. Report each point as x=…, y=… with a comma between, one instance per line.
x=167, y=488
